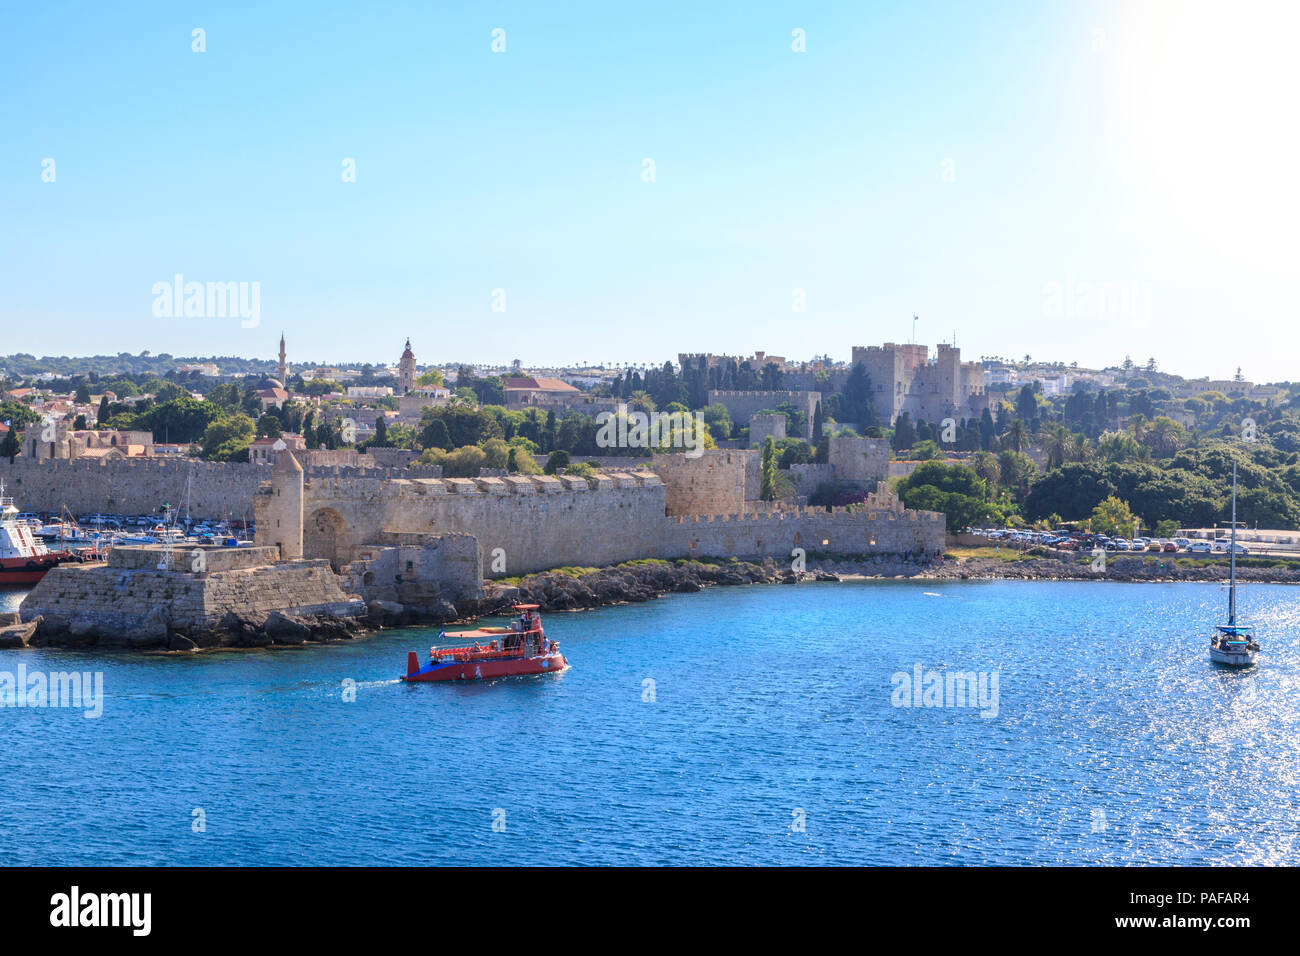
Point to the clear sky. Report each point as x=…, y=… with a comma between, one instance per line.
x=1069, y=180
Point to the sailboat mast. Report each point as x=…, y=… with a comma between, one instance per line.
x=1232, y=554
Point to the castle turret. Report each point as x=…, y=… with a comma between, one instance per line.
x=283, y=515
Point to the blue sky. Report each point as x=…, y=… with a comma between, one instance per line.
x=1076, y=181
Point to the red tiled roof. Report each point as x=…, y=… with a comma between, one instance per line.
x=539, y=384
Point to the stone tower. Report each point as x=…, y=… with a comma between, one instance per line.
x=283, y=370
x=406, y=371
x=283, y=517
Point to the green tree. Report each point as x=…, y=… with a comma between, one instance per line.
x=767, y=489
x=1113, y=517
x=10, y=446
x=17, y=414
x=718, y=419
x=228, y=438
x=1015, y=436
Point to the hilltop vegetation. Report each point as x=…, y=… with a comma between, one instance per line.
x=1123, y=443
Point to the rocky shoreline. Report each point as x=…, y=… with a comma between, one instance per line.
x=570, y=590
x=1133, y=569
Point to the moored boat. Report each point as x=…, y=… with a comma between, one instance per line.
x=519, y=650
x=1232, y=644
x=24, y=559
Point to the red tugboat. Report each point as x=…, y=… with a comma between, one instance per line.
x=518, y=650
x=24, y=559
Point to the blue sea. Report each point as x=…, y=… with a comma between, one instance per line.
x=743, y=725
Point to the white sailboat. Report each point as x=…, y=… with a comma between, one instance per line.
x=1232, y=644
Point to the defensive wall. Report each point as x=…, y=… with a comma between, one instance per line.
x=132, y=600
x=851, y=462
x=531, y=523
x=742, y=405
x=140, y=486
x=713, y=483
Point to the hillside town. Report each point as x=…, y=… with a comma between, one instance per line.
x=1001, y=442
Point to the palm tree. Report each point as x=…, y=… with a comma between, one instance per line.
x=985, y=464
x=1139, y=425
x=1016, y=435
x=1056, y=440
x=1166, y=436
x=641, y=401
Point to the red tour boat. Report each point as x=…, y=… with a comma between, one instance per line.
x=514, y=651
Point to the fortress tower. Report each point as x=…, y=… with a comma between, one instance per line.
x=406, y=371
x=283, y=514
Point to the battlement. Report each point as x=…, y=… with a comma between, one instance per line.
x=510, y=485
x=846, y=515
x=776, y=395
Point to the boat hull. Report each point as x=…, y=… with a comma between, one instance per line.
x=489, y=669
x=26, y=570
x=1233, y=658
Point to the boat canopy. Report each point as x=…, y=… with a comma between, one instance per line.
x=1233, y=628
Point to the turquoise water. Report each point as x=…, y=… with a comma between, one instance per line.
x=1114, y=741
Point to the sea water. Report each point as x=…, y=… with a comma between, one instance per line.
x=773, y=724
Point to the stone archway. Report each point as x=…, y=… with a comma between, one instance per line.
x=325, y=535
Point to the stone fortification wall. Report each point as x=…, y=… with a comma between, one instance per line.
x=142, y=606
x=537, y=521
x=209, y=557
x=755, y=536
x=525, y=524
x=416, y=570
x=141, y=486
x=713, y=483
x=742, y=405
x=761, y=427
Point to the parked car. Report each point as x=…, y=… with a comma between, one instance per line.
x=1200, y=547
x=1169, y=547
x=1183, y=543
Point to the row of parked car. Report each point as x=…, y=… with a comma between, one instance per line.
x=1074, y=540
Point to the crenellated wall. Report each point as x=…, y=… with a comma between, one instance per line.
x=841, y=531
x=531, y=523
x=141, y=486
x=742, y=405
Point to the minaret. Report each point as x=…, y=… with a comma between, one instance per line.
x=284, y=369
x=406, y=370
